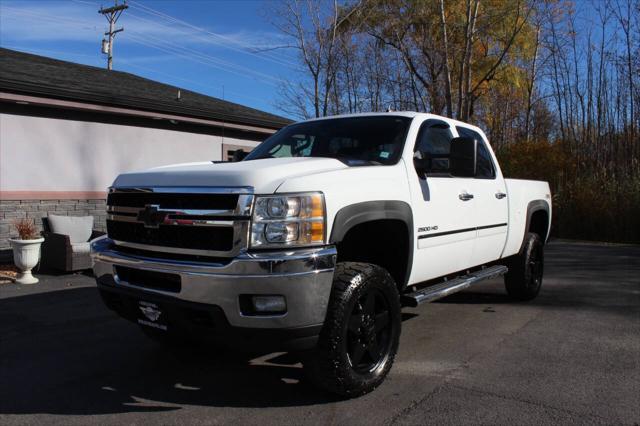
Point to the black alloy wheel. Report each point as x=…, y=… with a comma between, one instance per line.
x=359, y=339
x=369, y=332
x=524, y=279
x=536, y=269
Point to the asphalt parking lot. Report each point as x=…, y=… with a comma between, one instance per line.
x=570, y=356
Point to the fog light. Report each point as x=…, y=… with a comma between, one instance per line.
x=269, y=304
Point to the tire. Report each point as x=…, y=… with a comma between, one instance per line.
x=524, y=279
x=359, y=339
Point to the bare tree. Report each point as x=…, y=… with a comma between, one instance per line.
x=313, y=29
x=447, y=69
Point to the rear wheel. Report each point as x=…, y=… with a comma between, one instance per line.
x=524, y=279
x=359, y=339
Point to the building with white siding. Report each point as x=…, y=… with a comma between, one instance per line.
x=66, y=130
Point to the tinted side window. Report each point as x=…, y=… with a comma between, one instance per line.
x=485, y=167
x=434, y=142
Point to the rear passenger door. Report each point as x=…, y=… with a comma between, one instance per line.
x=491, y=204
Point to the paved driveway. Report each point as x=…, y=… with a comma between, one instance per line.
x=570, y=356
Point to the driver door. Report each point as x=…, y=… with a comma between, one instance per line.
x=443, y=215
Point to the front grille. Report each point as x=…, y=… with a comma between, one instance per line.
x=211, y=222
x=174, y=201
x=217, y=238
x=150, y=279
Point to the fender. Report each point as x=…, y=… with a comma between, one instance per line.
x=532, y=207
x=356, y=214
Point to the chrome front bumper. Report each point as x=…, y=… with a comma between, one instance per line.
x=303, y=276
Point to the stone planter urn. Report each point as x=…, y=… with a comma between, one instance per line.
x=26, y=254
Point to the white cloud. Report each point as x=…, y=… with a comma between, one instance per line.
x=52, y=21
x=257, y=39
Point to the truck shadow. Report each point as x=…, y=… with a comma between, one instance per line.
x=63, y=352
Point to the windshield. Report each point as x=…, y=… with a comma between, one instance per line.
x=355, y=140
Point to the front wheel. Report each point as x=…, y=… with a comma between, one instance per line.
x=360, y=336
x=524, y=279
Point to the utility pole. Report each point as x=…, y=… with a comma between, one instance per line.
x=112, y=14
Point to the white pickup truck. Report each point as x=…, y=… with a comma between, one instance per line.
x=317, y=238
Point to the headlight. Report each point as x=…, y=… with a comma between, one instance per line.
x=288, y=220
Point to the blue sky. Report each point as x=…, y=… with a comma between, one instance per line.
x=223, y=48
x=212, y=47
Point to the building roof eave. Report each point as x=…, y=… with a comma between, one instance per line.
x=84, y=106
x=40, y=76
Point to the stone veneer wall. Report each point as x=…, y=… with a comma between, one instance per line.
x=37, y=209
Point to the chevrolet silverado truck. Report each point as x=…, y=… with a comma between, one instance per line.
x=317, y=239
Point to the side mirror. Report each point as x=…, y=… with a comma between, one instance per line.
x=462, y=159
x=238, y=155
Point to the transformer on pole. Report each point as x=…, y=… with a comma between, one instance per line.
x=112, y=14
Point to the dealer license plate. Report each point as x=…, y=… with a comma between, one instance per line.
x=151, y=315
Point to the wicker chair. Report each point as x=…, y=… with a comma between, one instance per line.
x=66, y=244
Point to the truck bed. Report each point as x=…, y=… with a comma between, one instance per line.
x=519, y=194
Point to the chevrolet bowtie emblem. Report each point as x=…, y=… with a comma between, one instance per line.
x=151, y=216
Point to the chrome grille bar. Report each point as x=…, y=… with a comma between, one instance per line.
x=186, y=189
x=175, y=221
x=134, y=211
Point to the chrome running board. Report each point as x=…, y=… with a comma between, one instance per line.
x=438, y=291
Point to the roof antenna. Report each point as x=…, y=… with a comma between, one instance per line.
x=179, y=95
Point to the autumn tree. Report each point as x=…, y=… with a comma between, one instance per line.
x=555, y=84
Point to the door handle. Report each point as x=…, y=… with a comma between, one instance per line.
x=465, y=196
x=500, y=195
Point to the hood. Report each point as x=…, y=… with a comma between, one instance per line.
x=265, y=176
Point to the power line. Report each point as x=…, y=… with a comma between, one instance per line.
x=112, y=14
x=168, y=47
x=195, y=53
x=204, y=59
x=227, y=40
x=164, y=46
